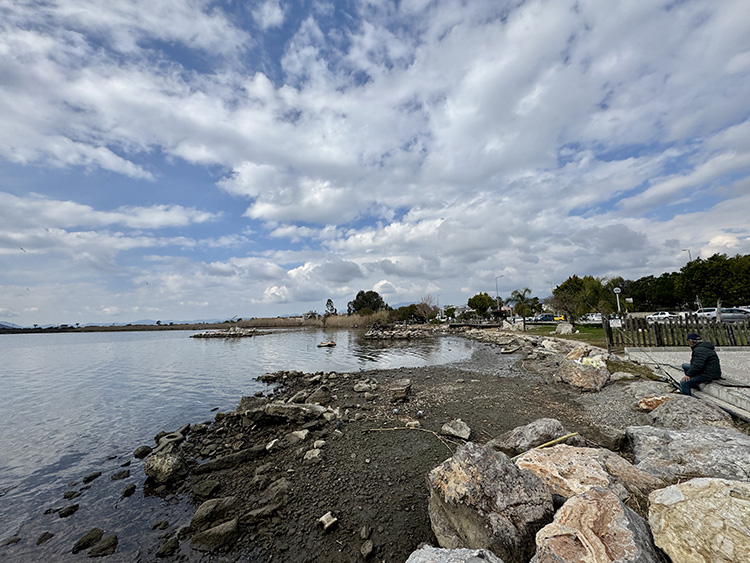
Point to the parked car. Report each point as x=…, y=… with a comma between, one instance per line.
x=559, y=318
x=591, y=318
x=660, y=316
x=544, y=317
x=728, y=314
x=706, y=312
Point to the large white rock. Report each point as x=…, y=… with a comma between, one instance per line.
x=429, y=554
x=682, y=411
x=541, y=431
x=704, y=451
x=569, y=471
x=595, y=527
x=586, y=373
x=480, y=499
x=702, y=521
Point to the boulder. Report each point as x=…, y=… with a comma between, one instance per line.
x=702, y=520
x=232, y=460
x=218, y=538
x=293, y=412
x=564, y=328
x=456, y=428
x=213, y=512
x=584, y=374
x=541, y=431
x=429, y=554
x=569, y=471
x=687, y=412
x=165, y=466
x=596, y=526
x=703, y=451
x=251, y=404
x=399, y=390
x=92, y=537
x=479, y=499
x=321, y=396
x=105, y=547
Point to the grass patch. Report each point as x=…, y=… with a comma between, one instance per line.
x=587, y=334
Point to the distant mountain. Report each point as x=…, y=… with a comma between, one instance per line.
x=163, y=322
x=8, y=325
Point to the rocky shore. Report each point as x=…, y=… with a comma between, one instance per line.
x=443, y=464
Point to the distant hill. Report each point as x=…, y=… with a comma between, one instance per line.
x=8, y=325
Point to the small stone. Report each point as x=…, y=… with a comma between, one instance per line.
x=328, y=520
x=366, y=549
x=11, y=540
x=89, y=539
x=160, y=525
x=142, y=452
x=91, y=476
x=68, y=511
x=128, y=491
x=46, y=536
x=122, y=474
x=70, y=495
x=169, y=547
x=365, y=532
x=319, y=444
x=413, y=424
x=105, y=547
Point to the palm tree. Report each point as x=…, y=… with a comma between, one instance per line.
x=521, y=303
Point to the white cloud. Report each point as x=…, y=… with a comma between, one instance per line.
x=269, y=14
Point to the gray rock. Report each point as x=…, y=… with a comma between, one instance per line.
x=480, y=499
x=712, y=513
x=299, y=397
x=596, y=526
x=169, y=547
x=91, y=476
x=165, y=466
x=293, y=412
x=583, y=376
x=457, y=428
x=90, y=538
x=251, y=403
x=105, y=547
x=429, y=554
x=205, y=488
x=399, y=390
x=688, y=412
x=321, y=396
x=564, y=328
x=218, y=538
x=366, y=549
x=213, y=512
x=68, y=510
x=44, y=537
x=119, y=475
x=142, y=451
x=128, y=491
x=703, y=451
x=541, y=431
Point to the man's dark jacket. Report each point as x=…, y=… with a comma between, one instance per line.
x=704, y=361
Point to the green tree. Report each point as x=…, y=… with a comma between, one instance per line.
x=450, y=312
x=523, y=303
x=366, y=302
x=481, y=302
x=330, y=309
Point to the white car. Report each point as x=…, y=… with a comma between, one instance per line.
x=661, y=316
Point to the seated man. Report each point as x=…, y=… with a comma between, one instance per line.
x=704, y=365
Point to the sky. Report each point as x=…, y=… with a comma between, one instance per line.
x=193, y=159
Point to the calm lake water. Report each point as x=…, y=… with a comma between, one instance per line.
x=77, y=403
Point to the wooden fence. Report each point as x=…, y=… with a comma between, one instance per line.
x=638, y=332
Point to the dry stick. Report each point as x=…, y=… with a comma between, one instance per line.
x=550, y=443
x=421, y=429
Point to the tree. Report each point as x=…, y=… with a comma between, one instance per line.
x=450, y=312
x=481, y=302
x=523, y=303
x=330, y=309
x=366, y=302
x=426, y=308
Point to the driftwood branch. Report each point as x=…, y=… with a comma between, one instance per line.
x=550, y=443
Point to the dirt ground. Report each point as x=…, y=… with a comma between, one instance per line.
x=372, y=475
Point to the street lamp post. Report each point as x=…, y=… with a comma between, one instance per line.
x=690, y=258
x=617, y=291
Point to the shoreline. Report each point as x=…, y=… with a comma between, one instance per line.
x=370, y=467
